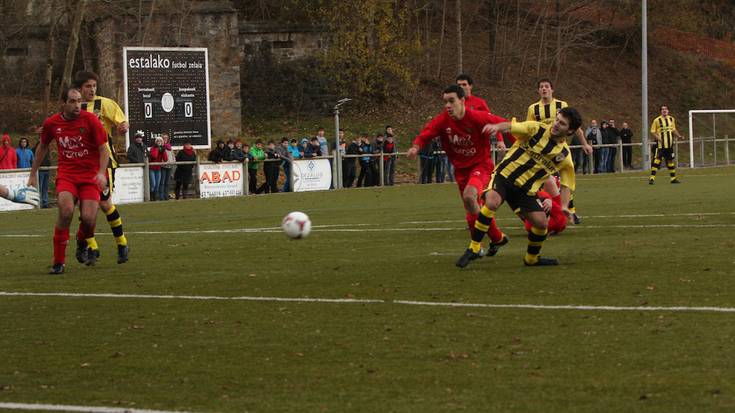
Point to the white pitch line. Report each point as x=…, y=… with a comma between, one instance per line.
x=374, y=301
x=569, y=307
x=69, y=408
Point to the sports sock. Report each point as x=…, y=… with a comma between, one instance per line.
x=536, y=237
x=672, y=170
x=61, y=239
x=115, y=221
x=482, y=224
x=572, y=208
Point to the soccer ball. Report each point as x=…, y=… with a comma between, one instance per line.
x=296, y=225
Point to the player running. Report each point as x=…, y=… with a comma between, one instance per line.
x=83, y=155
x=540, y=151
x=468, y=149
x=545, y=111
x=113, y=120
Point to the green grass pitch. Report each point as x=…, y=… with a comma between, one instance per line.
x=638, y=246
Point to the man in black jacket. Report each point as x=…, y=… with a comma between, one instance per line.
x=137, y=152
x=626, y=136
x=613, y=137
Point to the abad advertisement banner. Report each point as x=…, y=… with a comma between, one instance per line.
x=220, y=179
x=167, y=90
x=311, y=175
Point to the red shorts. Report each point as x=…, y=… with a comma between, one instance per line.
x=477, y=176
x=80, y=190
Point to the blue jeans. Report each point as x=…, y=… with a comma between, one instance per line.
x=163, y=186
x=604, y=160
x=155, y=178
x=43, y=177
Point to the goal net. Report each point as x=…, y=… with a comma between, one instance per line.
x=711, y=139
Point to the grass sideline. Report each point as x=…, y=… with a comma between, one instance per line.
x=638, y=245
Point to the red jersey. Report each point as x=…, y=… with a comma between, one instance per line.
x=476, y=103
x=463, y=140
x=78, y=143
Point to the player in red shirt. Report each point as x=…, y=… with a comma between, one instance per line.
x=82, y=146
x=477, y=103
x=550, y=197
x=460, y=131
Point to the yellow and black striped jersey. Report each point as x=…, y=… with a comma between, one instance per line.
x=110, y=114
x=534, y=157
x=545, y=112
x=663, y=127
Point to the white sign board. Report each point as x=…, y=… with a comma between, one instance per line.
x=13, y=180
x=220, y=179
x=129, y=185
x=311, y=175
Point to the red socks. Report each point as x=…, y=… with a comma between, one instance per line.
x=61, y=239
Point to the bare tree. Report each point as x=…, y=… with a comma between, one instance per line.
x=51, y=44
x=459, y=35
x=71, y=50
x=441, y=40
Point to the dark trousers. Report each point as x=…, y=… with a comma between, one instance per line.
x=348, y=173
x=252, y=180
x=596, y=154
x=365, y=174
x=427, y=170
x=182, y=185
x=611, y=159
x=627, y=155
x=271, y=181
x=439, y=163
x=389, y=171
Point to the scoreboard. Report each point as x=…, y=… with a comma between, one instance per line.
x=167, y=90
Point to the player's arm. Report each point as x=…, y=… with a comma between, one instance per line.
x=530, y=116
x=520, y=130
x=429, y=132
x=567, y=178
x=586, y=147
x=489, y=118
x=117, y=116
x=654, y=130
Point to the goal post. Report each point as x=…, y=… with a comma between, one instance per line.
x=708, y=129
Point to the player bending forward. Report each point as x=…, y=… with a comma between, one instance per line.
x=83, y=155
x=468, y=149
x=539, y=152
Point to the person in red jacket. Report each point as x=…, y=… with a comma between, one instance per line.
x=468, y=149
x=8, y=157
x=156, y=154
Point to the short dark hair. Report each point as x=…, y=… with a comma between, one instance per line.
x=257, y=141
x=573, y=116
x=663, y=106
x=271, y=142
x=82, y=76
x=284, y=139
x=293, y=140
x=388, y=126
x=320, y=128
x=455, y=89
x=65, y=92
x=464, y=76
x=544, y=80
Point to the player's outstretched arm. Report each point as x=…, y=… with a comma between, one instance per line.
x=586, y=147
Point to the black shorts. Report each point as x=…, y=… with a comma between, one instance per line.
x=665, y=153
x=515, y=196
x=107, y=193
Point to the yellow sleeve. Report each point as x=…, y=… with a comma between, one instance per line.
x=564, y=104
x=113, y=112
x=524, y=130
x=566, y=173
x=530, y=115
x=654, y=127
x=673, y=123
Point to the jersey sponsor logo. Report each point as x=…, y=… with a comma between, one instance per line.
x=540, y=159
x=559, y=158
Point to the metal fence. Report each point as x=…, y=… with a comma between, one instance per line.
x=708, y=151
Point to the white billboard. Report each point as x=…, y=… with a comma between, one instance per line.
x=129, y=185
x=311, y=175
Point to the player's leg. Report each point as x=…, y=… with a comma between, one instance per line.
x=536, y=237
x=493, y=199
x=65, y=200
x=672, y=166
x=654, y=167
